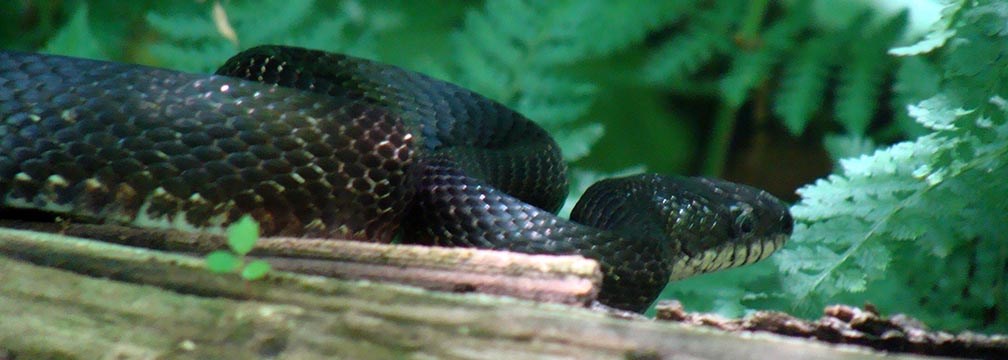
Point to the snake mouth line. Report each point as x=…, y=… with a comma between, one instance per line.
x=728, y=256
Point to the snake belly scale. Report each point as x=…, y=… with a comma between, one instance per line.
x=326, y=145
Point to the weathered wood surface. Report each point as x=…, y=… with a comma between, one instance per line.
x=55, y=303
x=560, y=279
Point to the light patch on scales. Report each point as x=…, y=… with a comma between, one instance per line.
x=48, y=206
x=43, y=200
x=177, y=221
x=142, y=219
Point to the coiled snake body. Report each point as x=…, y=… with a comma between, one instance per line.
x=325, y=145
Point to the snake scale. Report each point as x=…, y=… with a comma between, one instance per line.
x=326, y=145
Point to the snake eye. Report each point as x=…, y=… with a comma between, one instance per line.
x=745, y=222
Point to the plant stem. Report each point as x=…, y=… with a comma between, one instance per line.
x=753, y=20
x=720, y=140
x=724, y=124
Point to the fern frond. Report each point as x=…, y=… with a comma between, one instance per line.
x=848, y=145
x=578, y=141
x=76, y=38
x=751, y=68
x=979, y=69
x=916, y=79
x=619, y=24
x=684, y=54
x=938, y=33
x=581, y=179
x=556, y=107
x=193, y=41
x=516, y=53
x=804, y=82
x=922, y=191
x=247, y=19
x=181, y=27
x=202, y=57
x=707, y=35
x=857, y=96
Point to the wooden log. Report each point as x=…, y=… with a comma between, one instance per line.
x=56, y=302
x=563, y=279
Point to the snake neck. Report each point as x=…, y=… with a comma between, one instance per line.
x=453, y=208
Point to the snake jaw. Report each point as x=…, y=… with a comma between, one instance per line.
x=748, y=225
x=726, y=257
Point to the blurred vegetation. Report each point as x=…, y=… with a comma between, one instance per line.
x=772, y=93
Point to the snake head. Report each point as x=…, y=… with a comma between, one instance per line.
x=699, y=224
x=743, y=225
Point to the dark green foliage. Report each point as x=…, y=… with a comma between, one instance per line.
x=917, y=226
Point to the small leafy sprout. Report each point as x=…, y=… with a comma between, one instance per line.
x=241, y=238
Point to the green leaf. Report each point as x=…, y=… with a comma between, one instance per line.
x=922, y=203
x=683, y=55
x=191, y=37
x=860, y=80
x=622, y=23
x=750, y=68
x=747, y=71
x=930, y=42
x=916, y=79
x=581, y=179
x=183, y=27
x=848, y=145
x=255, y=270
x=222, y=261
x=804, y=84
x=939, y=33
x=937, y=113
x=243, y=234
x=516, y=51
x=577, y=142
x=76, y=38
x=707, y=34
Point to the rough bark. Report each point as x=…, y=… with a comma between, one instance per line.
x=843, y=324
x=58, y=299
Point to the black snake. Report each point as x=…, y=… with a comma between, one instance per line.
x=326, y=145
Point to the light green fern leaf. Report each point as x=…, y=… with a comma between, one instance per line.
x=924, y=192
x=937, y=35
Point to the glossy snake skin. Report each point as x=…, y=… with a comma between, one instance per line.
x=326, y=145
